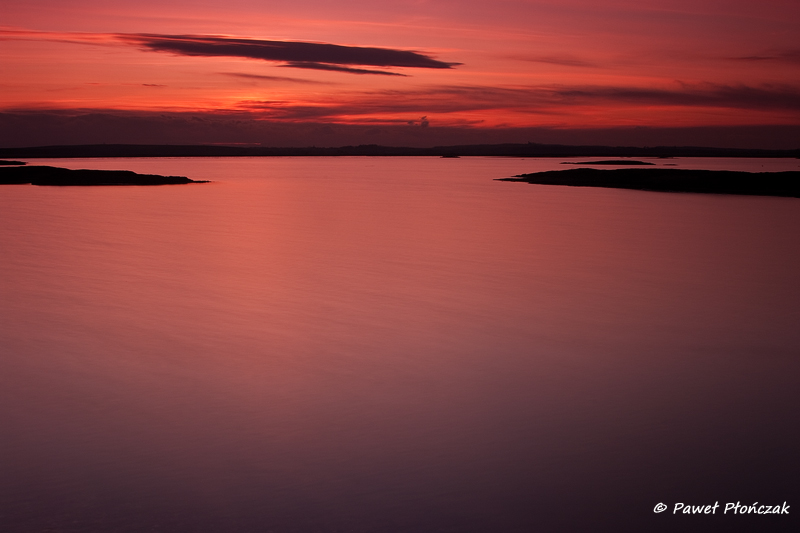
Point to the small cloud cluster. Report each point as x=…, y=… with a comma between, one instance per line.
x=423, y=122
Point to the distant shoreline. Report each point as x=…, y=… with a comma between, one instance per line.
x=496, y=150
x=785, y=184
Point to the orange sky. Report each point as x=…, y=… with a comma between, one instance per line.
x=460, y=64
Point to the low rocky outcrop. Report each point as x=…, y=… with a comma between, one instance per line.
x=44, y=175
x=672, y=180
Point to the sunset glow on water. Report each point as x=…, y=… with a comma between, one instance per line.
x=393, y=344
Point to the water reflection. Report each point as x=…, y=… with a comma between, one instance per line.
x=392, y=345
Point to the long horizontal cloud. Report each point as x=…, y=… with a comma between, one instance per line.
x=40, y=128
x=337, y=68
x=282, y=79
x=321, y=56
x=295, y=54
x=766, y=97
x=564, y=61
x=784, y=56
x=540, y=100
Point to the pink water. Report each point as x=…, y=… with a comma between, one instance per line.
x=394, y=344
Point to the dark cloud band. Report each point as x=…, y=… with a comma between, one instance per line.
x=765, y=97
x=319, y=56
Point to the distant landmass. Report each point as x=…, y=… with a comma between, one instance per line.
x=614, y=162
x=672, y=180
x=499, y=150
x=44, y=175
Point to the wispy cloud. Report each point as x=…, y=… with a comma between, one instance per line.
x=282, y=79
x=17, y=34
x=764, y=97
x=564, y=61
x=784, y=56
x=294, y=54
x=336, y=68
x=547, y=100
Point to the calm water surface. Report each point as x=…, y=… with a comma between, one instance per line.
x=394, y=345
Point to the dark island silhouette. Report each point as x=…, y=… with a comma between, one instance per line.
x=672, y=180
x=44, y=175
x=615, y=162
x=660, y=179
x=9, y=163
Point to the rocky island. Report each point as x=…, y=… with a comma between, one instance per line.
x=672, y=180
x=44, y=175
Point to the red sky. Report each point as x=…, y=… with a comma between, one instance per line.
x=249, y=66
